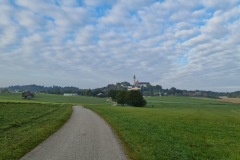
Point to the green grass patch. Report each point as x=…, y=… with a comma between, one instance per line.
x=52, y=98
x=176, y=128
x=7, y=97
x=24, y=125
x=70, y=99
x=175, y=101
x=168, y=128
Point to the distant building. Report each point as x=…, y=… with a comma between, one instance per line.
x=137, y=85
x=223, y=97
x=198, y=94
x=69, y=94
x=100, y=95
x=134, y=88
x=144, y=84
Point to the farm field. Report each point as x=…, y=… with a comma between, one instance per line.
x=24, y=125
x=70, y=99
x=156, y=102
x=167, y=128
x=231, y=100
x=51, y=98
x=176, y=128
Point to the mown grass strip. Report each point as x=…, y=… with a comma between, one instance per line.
x=24, y=126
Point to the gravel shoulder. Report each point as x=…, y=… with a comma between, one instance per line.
x=86, y=136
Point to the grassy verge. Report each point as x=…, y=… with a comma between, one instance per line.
x=24, y=125
x=203, y=130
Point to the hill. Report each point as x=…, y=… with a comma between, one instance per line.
x=147, y=90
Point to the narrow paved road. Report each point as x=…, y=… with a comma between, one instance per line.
x=85, y=136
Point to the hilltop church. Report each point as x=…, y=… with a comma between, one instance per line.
x=137, y=85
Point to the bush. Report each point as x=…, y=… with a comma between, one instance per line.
x=135, y=98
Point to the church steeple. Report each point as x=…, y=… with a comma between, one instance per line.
x=134, y=79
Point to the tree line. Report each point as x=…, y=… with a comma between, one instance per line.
x=149, y=90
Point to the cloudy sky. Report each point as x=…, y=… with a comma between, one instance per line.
x=187, y=44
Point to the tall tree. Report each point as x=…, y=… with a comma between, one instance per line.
x=89, y=92
x=159, y=87
x=113, y=94
x=121, y=97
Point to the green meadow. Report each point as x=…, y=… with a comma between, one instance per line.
x=176, y=128
x=26, y=123
x=167, y=128
x=52, y=98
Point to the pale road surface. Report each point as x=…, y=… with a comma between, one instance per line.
x=85, y=136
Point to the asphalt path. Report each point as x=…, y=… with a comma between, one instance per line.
x=85, y=136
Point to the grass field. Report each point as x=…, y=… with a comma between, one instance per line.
x=25, y=125
x=168, y=128
x=177, y=128
x=180, y=102
x=52, y=98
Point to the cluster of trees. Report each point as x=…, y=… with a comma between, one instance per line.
x=43, y=89
x=157, y=90
x=55, y=90
x=4, y=90
x=132, y=98
x=234, y=94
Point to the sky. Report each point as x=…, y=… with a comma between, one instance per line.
x=187, y=44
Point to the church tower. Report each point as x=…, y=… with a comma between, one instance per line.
x=134, y=79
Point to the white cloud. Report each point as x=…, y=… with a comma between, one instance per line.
x=191, y=45
x=221, y=4
x=9, y=36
